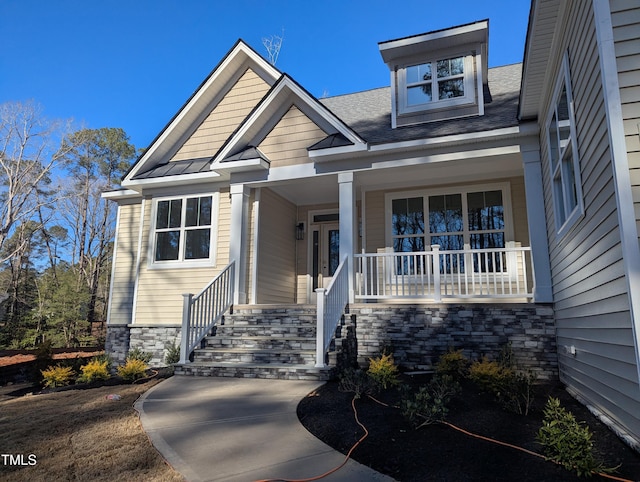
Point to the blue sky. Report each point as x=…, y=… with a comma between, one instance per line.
x=133, y=63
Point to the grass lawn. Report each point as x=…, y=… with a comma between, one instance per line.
x=79, y=435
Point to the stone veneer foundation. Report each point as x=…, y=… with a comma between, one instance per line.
x=151, y=339
x=418, y=334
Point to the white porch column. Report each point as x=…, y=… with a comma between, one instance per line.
x=348, y=220
x=238, y=239
x=542, y=288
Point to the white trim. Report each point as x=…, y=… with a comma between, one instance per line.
x=563, y=226
x=167, y=181
x=113, y=264
x=256, y=245
x=180, y=263
x=522, y=130
x=120, y=194
x=243, y=165
x=620, y=165
x=134, y=304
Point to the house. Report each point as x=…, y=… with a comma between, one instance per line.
x=460, y=207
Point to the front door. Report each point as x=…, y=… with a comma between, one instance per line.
x=325, y=255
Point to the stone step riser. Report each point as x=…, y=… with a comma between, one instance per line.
x=296, y=373
x=291, y=358
x=257, y=343
x=257, y=330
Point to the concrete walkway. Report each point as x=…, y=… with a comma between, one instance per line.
x=239, y=429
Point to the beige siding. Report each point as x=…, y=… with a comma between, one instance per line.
x=124, y=274
x=159, y=299
x=625, y=17
x=224, y=118
x=276, y=250
x=590, y=292
x=288, y=141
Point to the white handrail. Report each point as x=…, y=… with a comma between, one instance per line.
x=202, y=311
x=330, y=307
x=440, y=274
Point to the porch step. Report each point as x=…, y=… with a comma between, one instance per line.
x=276, y=342
x=252, y=370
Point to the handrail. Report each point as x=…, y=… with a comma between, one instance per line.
x=437, y=274
x=201, y=312
x=330, y=307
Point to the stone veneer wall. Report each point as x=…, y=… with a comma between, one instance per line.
x=418, y=334
x=151, y=339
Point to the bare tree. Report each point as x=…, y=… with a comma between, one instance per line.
x=30, y=150
x=273, y=44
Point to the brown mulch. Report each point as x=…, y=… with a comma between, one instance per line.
x=438, y=452
x=24, y=358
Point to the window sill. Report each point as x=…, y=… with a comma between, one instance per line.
x=207, y=263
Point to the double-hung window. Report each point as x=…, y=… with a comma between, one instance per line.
x=438, y=83
x=563, y=154
x=467, y=219
x=183, y=230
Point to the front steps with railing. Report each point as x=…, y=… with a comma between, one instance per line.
x=261, y=342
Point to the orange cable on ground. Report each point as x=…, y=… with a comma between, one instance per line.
x=366, y=433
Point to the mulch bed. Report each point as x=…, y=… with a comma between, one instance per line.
x=438, y=452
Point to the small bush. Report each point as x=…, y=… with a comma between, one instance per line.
x=138, y=354
x=383, y=371
x=57, y=376
x=104, y=358
x=133, y=369
x=513, y=389
x=94, y=370
x=567, y=441
x=354, y=380
x=453, y=364
x=173, y=354
x=430, y=403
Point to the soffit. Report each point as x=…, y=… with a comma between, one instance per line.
x=542, y=27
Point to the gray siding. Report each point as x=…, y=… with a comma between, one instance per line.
x=590, y=289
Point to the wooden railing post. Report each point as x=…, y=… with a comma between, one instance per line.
x=437, y=291
x=186, y=319
x=320, y=327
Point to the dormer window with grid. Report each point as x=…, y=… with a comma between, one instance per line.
x=435, y=83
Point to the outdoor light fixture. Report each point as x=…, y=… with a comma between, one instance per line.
x=300, y=231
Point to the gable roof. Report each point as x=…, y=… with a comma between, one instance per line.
x=197, y=107
x=284, y=94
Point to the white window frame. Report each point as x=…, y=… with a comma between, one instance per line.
x=181, y=262
x=435, y=103
x=504, y=187
x=565, y=215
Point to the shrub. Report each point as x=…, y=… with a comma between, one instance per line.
x=95, y=369
x=513, y=389
x=57, y=376
x=354, y=380
x=138, y=354
x=453, y=364
x=173, y=354
x=567, y=441
x=133, y=369
x=429, y=404
x=383, y=371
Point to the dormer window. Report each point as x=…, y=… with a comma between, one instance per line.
x=436, y=84
x=437, y=75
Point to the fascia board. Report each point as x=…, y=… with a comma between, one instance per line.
x=173, y=180
x=234, y=57
x=244, y=165
x=516, y=131
x=120, y=194
x=337, y=152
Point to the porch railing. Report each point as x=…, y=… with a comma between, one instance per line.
x=439, y=274
x=202, y=311
x=330, y=307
